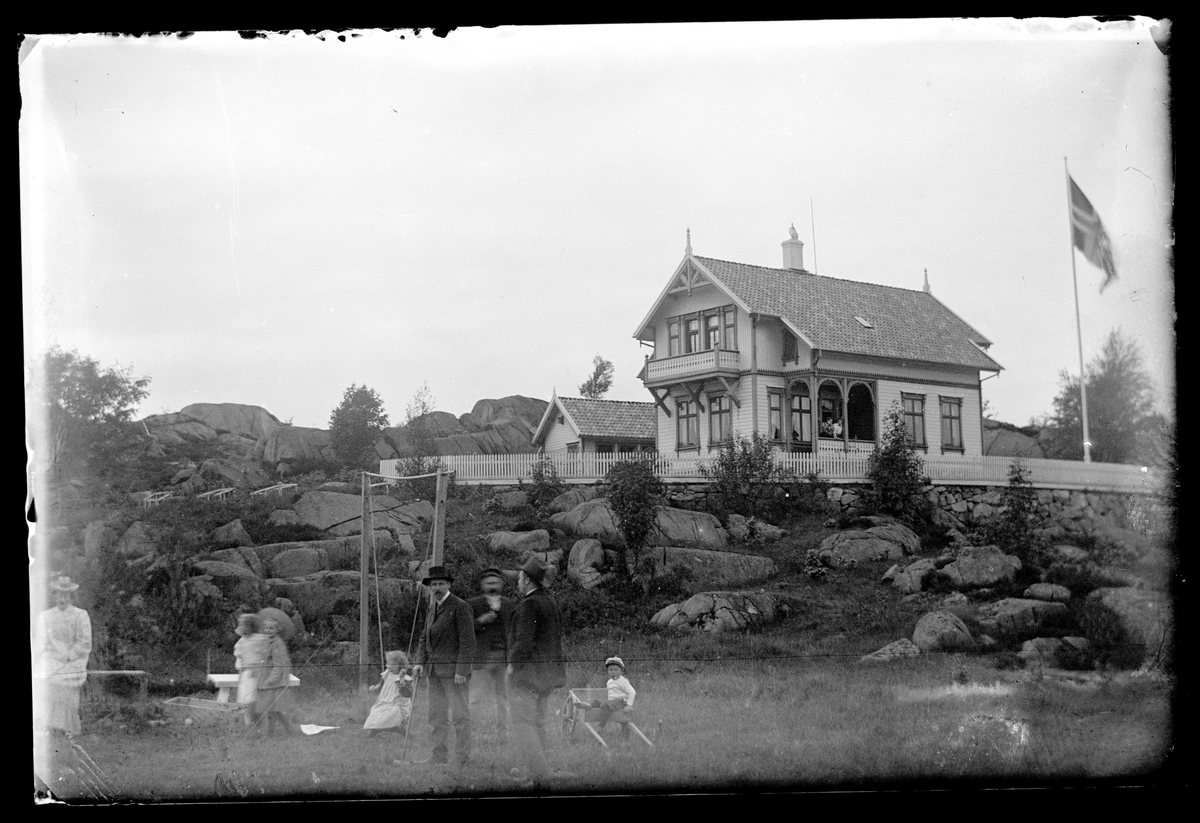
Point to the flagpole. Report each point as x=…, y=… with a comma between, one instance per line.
x=1087, y=444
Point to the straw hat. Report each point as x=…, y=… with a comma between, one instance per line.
x=286, y=627
x=64, y=584
x=615, y=661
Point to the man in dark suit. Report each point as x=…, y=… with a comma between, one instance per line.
x=536, y=665
x=493, y=622
x=445, y=653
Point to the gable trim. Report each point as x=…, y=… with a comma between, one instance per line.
x=670, y=287
x=552, y=408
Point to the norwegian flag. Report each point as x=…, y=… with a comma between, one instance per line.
x=1090, y=236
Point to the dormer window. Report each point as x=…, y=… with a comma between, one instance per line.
x=866, y=324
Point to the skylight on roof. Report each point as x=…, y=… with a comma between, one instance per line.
x=866, y=324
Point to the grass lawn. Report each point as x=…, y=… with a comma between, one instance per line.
x=791, y=723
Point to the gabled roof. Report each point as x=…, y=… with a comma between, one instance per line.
x=618, y=419
x=904, y=324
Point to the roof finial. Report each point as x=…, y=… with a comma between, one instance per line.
x=688, y=248
x=793, y=233
x=926, y=288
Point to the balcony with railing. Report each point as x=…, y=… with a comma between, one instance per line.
x=695, y=365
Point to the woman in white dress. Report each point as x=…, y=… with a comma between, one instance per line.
x=394, y=705
x=63, y=643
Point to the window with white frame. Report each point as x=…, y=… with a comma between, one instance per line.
x=775, y=413
x=714, y=328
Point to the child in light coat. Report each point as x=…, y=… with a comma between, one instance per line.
x=248, y=655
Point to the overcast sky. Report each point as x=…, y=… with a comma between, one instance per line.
x=268, y=221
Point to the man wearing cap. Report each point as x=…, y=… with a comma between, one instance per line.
x=63, y=645
x=445, y=653
x=535, y=664
x=489, y=681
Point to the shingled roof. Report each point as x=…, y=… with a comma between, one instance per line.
x=906, y=324
x=620, y=419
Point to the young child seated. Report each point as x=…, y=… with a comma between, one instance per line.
x=620, y=694
x=394, y=705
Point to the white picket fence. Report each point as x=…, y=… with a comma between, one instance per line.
x=509, y=469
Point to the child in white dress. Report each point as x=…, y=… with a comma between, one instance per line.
x=248, y=657
x=394, y=705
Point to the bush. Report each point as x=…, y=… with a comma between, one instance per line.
x=896, y=471
x=545, y=485
x=1109, y=643
x=635, y=494
x=1016, y=530
x=744, y=475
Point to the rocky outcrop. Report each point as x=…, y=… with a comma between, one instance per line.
x=977, y=567
x=231, y=534
x=237, y=583
x=892, y=651
x=672, y=527
x=1053, y=651
x=1016, y=618
x=705, y=569
x=341, y=514
x=592, y=518
x=942, y=631
x=537, y=540
x=254, y=422
x=283, y=517
x=721, y=612
x=323, y=594
x=913, y=577
x=1146, y=616
x=139, y=540
x=744, y=529
x=510, y=501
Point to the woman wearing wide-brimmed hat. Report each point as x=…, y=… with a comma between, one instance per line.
x=62, y=646
x=276, y=672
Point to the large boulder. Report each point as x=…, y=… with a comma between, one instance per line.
x=340, y=553
x=1146, y=615
x=912, y=578
x=1016, y=618
x=570, y=499
x=229, y=472
x=706, y=569
x=296, y=443
x=299, y=562
x=680, y=527
x=510, y=501
x=942, y=631
x=672, y=527
x=977, y=567
x=322, y=594
x=341, y=514
x=588, y=564
x=139, y=540
x=892, y=651
x=751, y=528
x=887, y=541
x=1048, y=591
x=231, y=534
x=243, y=557
x=537, y=540
x=721, y=611
x=283, y=517
x=237, y=583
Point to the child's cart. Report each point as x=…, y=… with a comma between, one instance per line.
x=577, y=711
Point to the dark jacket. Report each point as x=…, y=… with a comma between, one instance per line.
x=536, y=653
x=447, y=645
x=492, y=639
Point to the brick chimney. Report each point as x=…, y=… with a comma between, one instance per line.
x=793, y=251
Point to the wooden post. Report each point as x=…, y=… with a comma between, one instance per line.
x=439, y=517
x=363, y=567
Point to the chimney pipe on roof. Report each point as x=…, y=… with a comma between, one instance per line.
x=793, y=251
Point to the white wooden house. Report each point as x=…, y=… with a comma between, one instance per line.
x=811, y=362
x=575, y=425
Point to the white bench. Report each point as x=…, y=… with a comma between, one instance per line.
x=228, y=683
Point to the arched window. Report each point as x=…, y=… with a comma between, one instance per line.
x=831, y=419
x=860, y=412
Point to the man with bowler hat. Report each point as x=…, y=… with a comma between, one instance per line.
x=445, y=653
x=489, y=678
x=535, y=665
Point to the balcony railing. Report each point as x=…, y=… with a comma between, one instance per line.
x=841, y=467
x=683, y=366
